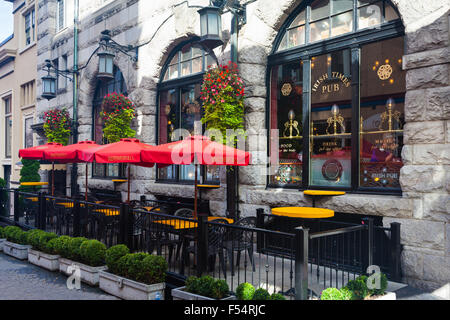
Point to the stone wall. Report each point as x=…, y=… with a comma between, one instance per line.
x=423, y=208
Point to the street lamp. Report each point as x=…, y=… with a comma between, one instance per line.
x=48, y=84
x=210, y=27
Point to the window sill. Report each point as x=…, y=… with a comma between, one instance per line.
x=27, y=47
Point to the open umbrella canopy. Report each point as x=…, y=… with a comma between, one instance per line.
x=125, y=151
x=37, y=153
x=201, y=148
x=70, y=153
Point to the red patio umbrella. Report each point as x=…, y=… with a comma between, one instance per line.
x=71, y=154
x=198, y=150
x=125, y=151
x=37, y=153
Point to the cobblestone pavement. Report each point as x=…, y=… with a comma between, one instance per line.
x=20, y=280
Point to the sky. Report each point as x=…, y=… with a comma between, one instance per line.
x=6, y=20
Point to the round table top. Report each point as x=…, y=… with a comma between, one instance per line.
x=34, y=184
x=323, y=193
x=303, y=212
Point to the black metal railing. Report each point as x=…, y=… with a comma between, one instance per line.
x=294, y=257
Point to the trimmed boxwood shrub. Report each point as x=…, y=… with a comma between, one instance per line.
x=142, y=267
x=383, y=286
x=44, y=238
x=113, y=255
x=261, y=294
x=277, y=296
x=10, y=232
x=207, y=286
x=358, y=287
x=50, y=246
x=331, y=294
x=34, y=238
x=92, y=252
x=2, y=233
x=74, y=248
x=245, y=291
x=61, y=246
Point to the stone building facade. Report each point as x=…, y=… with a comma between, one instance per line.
x=423, y=205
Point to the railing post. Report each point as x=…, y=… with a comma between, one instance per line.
x=126, y=223
x=395, y=247
x=259, y=225
x=76, y=218
x=367, y=244
x=301, y=263
x=202, y=245
x=41, y=219
x=16, y=205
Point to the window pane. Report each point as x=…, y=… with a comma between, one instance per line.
x=341, y=6
x=296, y=36
x=341, y=24
x=197, y=65
x=8, y=137
x=319, y=30
x=382, y=113
x=330, y=158
x=286, y=117
x=371, y=15
x=28, y=141
x=168, y=120
x=187, y=172
x=299, y=19
x=320, y=9
x=112, y=170
x=190, y=106
x=186, y=53
x=283, y=44
x=213, y=173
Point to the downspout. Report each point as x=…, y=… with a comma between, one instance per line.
x=74, y=175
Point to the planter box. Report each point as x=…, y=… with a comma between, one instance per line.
x=1, y=244
x=15, y=250
x=180, y=294
x=128, y=289
x=44, y=260
x=387, y=296
x=88, y=274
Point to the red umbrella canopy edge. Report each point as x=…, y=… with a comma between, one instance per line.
x=70, y=153
x=37, y=153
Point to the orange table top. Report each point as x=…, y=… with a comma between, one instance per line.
x=183, y=224
x=323, y=193
x=303, y=212
x=32, y=184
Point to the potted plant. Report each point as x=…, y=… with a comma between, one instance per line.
x=2, y=238
x=133, y=276
x=16, y=244
x=57, y=126
x=80, y=253
x=358, y=289
x=42, y=252
x=203, y=288
x=118, y=112
x=246, y=291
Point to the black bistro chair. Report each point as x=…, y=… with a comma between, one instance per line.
x=238, y=240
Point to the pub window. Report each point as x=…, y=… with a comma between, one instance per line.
x=28, y=132
x=180, y=107
x=117, y=84
x=337, y=97
x=8, y=126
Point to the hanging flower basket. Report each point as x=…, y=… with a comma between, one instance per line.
x=118, y=112
x=57, y=126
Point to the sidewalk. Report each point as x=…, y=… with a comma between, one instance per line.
x=20, y=280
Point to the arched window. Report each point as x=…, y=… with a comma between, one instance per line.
x=117, y=84
x=337, y=97
x=180, y=105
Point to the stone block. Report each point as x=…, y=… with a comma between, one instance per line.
x=412, y=264
x=431, y=154
x=415, y=105
x=426, y=58
x=424, y=132
x=438, y=103
x=429, y=77
x=422, y=178
x=253, y=175
x=436, y=268
x=255, y=104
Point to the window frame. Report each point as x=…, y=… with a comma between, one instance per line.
x=178, y=84
x=60, y=4
x=30, y=26
x=302, y=54
x=8, y=117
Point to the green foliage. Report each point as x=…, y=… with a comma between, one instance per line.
x=61, y=246
x=261, y=294
x=113, y=255
x=57, y=125
x=245, y=291
x=2, y=233
x=331, y=294
x=74, y=248
x=16, y=235
x=277, y=296
x=9, y=232
x=142, y=267
x=34, y=238
x=219, y=289
x=118, y=112
x=358, y=287
x=29, y=173
x=383, y=286
x=92, y=252
x=50, y=246
x=223, y=101
x=207, y=286
x=347, y=294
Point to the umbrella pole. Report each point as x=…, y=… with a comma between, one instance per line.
x=53, y=179
x=195, y=193
x=86, y=185
x=128, y=183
